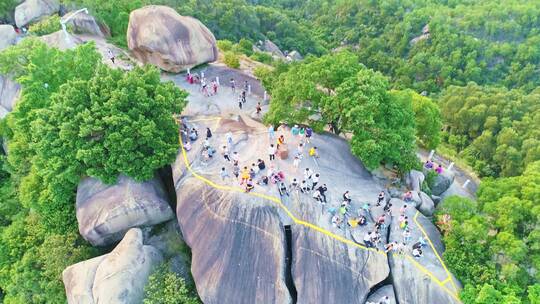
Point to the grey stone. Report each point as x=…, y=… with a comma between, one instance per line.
x=83, y=23
x=427, y=206
x=456, y=189
x=33, y=10
x=160, y=36
x=106, y=212
x=7, y=36
x=415, y=179
x=442, y=182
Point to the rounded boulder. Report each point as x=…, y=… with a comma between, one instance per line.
x=160, y=36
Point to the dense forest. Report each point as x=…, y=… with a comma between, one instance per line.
x=462, y=75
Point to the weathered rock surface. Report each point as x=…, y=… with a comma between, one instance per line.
x=106, y=212
x=160, y=36
x=9, y=94
x=456, y=189
x=427, y=206
x=442, y=182
x=33, y=10
x=58, y=40
x=237, y=240
x=7, y=36
x=272, y=48
x=79, y=280
x=415, y=179
x=414, y=284
x=122, y=275
x=117, y=277
x=384, y=291
x=83, y=23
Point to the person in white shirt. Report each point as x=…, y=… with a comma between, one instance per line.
x=272, y=152
x=314, y=180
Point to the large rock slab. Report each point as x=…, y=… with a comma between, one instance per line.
x=33, y=10
x=427, y=206
x=7, y=36
x=106, y=212
x=160, y=36
x=117, y=277
x=237, y=245
x=83, y=23
x=420, y=280
x=456, y=189
x=442, y=182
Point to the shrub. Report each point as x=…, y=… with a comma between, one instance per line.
x=245, y=46
x=232, y=60
x=46, y=26
x=262, y=57
x=225, y=45
x=167, y=287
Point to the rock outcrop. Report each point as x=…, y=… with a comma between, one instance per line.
x=83, y=23
x=294, y=56
x=425, y=35
x=106, y=212
x=456, y=189
x=442, y=182
x=7, y=36
x=160, y=36
x=33, y=10
x=423, y=283
x=117, y=277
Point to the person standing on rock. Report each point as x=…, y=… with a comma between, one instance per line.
x=283, y=189
x=258, y=109
x=110, y=55
x=380, y=198
x=233, y=85
x=236, y=170
x=272, y=152
x=243, y=96
x=208, y=133
x=313, y=152
x=296, y=163
x=223, y=173
x=271, y=133
x=314, y=180
x=367, y=240
x=307, y=174
x=347, y=197
x=322, y=190
x=406, y=236
x=261, y=164
x=214, y=87
x=309, y=133
x=240, y=101
x=304, y=187
x=225, y=153
x=228, y=136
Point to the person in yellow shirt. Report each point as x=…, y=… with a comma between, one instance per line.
x=244, y=176
x=313, y=152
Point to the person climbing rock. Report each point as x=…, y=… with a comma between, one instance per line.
x=317, y=196
x=258, y=108
x=208, y=133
